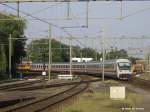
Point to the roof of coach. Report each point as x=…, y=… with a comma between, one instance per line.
x=86, y=63
x=122, y=60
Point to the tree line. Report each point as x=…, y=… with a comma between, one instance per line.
x=8, y=25
x=38, y=50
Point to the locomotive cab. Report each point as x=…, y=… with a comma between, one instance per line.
x=124, y=69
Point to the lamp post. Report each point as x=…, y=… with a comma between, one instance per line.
x=103, y=56
x=50, y=53
x=10, y=48
x=70, y=49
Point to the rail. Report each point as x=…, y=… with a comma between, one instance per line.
x=54, y=85
x=5, y=87
x=50, y=101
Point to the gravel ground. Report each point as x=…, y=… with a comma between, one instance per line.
x=6, y=96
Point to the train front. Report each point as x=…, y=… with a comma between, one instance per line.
x=124, y=71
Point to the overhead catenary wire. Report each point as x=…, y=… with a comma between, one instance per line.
x=38, y=19
x=136, y=12
x=113, y=38
x=46, y=22
x=46, y=8
x=27, y=14
x=122, y=17
x=14, y=1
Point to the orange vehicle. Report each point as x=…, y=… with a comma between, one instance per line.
x=139, y=67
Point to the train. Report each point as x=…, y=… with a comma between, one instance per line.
x=118, y=68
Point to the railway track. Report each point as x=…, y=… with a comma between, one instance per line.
x=52, y=85
x=6, y=87
x=47, y=102
x=9, y=81
x=77, y=87
x=142, y=82
x=138, y=82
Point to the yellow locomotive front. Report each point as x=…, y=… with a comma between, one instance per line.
x=23, y=67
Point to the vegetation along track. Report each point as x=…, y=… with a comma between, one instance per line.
x=5, y=87
x=50, y=101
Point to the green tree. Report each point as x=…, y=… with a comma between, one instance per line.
x=60, y=51
x=90, y=53
x=3, y=61
x=16, y=29
x=115, y=54
x=37, y=48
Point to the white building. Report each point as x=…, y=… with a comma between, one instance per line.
x=81, y=59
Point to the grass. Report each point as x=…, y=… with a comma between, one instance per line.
x=100, y=102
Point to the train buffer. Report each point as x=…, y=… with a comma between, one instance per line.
x=65, y=76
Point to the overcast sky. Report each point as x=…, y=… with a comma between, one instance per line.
x=101, y=15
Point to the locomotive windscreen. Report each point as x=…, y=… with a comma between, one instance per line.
x=124, y=66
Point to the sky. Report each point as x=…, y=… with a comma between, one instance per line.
x=102, y=15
